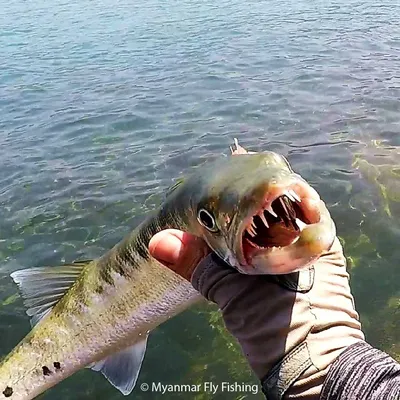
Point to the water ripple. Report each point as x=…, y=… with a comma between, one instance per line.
x=103, y=103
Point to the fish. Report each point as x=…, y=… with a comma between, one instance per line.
x=253, y=211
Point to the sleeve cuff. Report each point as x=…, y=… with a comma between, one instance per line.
x=209, y=276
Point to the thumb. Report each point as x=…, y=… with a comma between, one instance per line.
x=179, y=251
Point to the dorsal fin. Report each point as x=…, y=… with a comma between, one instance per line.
x=122, y=368
x=174, y=186
x=42, y=287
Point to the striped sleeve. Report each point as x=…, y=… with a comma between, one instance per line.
x=364, y=373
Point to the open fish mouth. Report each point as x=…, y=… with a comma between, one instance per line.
x=286, y=225
x=279, y=222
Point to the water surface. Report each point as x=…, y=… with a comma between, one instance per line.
x=104, y=103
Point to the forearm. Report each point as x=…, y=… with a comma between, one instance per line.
x=290, y=334
x=363, y=373
x=281, y=330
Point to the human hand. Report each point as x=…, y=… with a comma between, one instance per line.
x=179, y=251
x=289, y=325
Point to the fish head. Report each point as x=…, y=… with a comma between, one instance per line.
x=261, y=217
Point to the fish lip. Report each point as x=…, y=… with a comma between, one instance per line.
x=302, y=189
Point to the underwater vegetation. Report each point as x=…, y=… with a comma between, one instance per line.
x=379, y=164
x=373, y=252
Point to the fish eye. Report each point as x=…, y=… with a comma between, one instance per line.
x=206, y=219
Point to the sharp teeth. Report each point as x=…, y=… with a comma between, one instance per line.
x=283, y=206
x=272, y=212
x=289, y=195
x=263, y=219
x=295, y=240
x=253, y=224
x=251, y=231
x=295, y=195
x=285, y=216
x=300, y=224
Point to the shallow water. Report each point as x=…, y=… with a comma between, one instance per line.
x=104, y=103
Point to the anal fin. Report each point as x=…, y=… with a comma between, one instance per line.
x=122, y=368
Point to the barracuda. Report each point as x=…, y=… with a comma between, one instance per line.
x=252, y=210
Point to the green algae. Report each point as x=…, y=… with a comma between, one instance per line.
x=372, y=249
x=10, y=299
x=379, y=164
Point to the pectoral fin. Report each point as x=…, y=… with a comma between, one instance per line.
x=122, y=368
x=43, y=287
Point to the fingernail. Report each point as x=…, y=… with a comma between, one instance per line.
x=167, y=250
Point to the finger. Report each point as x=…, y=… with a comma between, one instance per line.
x=179, y=251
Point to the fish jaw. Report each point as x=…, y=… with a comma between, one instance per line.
x=314, y=240
x=290, y=243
